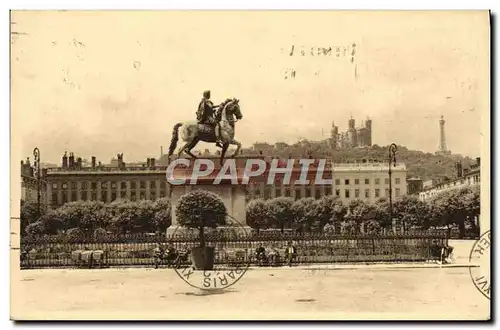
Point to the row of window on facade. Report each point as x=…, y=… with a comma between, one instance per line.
x=103, y=197
x=152, y=184
x=367, y=181
x=438, y=189
x=267, y=193
x=104, y=185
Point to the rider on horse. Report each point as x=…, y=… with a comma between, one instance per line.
x=206, y=114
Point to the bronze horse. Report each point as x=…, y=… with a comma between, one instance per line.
x=193, y=132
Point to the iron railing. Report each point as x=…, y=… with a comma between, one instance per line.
x=312, y=248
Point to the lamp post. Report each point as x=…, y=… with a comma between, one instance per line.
x=37, y=175
x=392, y=160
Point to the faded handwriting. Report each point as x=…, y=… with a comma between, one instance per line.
x=290, y=74
x=77, y=43
x=335, y=52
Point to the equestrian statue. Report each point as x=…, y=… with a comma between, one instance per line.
x=214, y=124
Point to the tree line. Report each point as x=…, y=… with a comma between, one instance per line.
x=94, y=217
x=458, y=207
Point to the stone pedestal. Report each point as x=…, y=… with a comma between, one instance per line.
x=233, y=197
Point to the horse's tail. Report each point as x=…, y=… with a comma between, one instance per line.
x=175, y=139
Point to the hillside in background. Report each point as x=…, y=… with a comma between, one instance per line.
x=420, y=164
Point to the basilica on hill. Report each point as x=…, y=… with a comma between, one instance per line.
x=353, y=137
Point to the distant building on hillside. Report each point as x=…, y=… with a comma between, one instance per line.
x=280, y=145
x=262, y=146
x=466, y=177
x=353, y=137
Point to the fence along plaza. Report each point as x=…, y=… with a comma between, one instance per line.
x=312, y=248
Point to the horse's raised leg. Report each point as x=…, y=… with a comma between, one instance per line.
x=238, y=148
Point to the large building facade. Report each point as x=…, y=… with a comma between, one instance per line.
x=368, y=181
x=74, y=182
x=350, y=181
x=29, y=184
x=105, y=184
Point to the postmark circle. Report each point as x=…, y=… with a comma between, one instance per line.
x=222, y=276
x=479, y=260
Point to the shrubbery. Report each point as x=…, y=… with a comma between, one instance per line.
x=201, y=209
x=456, y=207
x=87, y=218
x=453, y=208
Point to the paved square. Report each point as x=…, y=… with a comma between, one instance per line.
x=424, y=293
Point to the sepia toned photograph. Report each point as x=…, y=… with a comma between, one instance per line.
x=250, y=165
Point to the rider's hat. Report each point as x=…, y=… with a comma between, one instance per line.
x=206, y=93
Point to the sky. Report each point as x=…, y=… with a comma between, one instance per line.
x=101, y=83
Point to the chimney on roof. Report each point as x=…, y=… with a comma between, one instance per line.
x=478, y=161
x=93, y=161
x=152, y=162
x=65, y=160
x=71, y=160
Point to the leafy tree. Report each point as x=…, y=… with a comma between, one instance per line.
x=144, y=212
x=200, y=209
x=281, y=214
x=162, y=218
x=305, y=214
x=330, y=210
x=472, y=205
x=72, y=214
x=359, y=212
x=258, y=214
x=123, y=218
x=452, y=207
x=29, y=214
x=36, y=228
x=411, y=211
x=382, y=215
x=51, y=224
